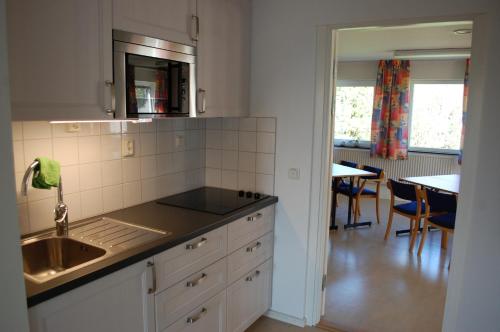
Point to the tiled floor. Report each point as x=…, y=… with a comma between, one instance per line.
x=379, y=286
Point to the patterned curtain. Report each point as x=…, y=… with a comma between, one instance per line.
x=464, y=114
x=161, y=91
x=131, y=96
x=389, y=133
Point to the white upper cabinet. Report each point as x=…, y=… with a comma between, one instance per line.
x=60, y=57
x=223, y=57
x=172, y=20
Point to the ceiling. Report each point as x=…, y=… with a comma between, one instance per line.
x=375, y=43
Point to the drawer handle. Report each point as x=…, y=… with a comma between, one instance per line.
x=191, y=246
x=254, y=247
x=197, y=281
x=253, y=276
x=254, y=217
x=196, y=318
x=152, y=289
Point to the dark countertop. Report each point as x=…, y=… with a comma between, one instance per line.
x=183, y=224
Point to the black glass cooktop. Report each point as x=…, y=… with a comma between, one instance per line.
x=212, y=200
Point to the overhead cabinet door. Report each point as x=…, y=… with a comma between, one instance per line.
x=60, y=58
x=170, y=20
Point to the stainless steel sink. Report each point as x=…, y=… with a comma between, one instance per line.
x=46, y=258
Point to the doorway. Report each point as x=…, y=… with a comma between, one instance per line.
x=374, y=284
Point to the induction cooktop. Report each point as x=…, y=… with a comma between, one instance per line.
x=212, y=200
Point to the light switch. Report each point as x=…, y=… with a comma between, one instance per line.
x=294, y=173
x=128, y=147
x=179, y=141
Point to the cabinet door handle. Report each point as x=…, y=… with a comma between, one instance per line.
x=253, y=276
x=195, y=26
x=194, y=319
x=203, y=103
x=110, y=110
x=151, y=266
x=191, y=246
x=254, y=247
x=197, y=281
x=254, y=217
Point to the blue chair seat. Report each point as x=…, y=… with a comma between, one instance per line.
x=444, y=220
x=410, y=208
x=344, y=190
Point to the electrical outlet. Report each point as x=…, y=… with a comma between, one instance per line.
x=294, y=173
x=128, y=147
x=73, y=127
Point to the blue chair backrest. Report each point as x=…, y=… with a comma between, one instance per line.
x=375, y=170
x=404, y=190
x=348, y=164
x=440, y=202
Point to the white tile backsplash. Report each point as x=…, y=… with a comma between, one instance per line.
x=241, y=166
x=89, y=149
x=171, y=156
x=66, y=150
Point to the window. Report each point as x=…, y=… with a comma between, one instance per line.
x=436, y=116
x=353, y=113
x=435, y=121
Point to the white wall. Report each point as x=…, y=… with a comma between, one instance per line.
x=13, y=311
x=282, y=85
x=419, y=69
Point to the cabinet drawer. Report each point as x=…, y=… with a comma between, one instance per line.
x=181, y=298
x=249, y=298
x=250, y=227
x=185, y=259
x=249, y=256
x=210, y=316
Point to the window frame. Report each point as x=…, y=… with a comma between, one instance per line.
x=337, y=142
x=422, y=149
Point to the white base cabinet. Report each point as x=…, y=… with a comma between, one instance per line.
x=249, y=298
x=204, y=284
x=118, y=302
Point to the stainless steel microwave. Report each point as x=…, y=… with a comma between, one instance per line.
x=153, y=78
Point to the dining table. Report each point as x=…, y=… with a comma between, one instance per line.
x=339, y=172
x=449, y=183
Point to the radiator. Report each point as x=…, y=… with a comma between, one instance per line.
x=417, y=164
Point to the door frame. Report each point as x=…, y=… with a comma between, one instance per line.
x=322, y=154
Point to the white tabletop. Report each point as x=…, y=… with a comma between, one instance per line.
x=449, y=183
x=341, y=171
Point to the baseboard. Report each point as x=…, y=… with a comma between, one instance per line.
x=300, y=322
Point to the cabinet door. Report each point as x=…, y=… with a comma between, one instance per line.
x=208, y=317
x=170, y=20
x=249, y=298
x=118, y=302
x=224, y=57
x=60, y=57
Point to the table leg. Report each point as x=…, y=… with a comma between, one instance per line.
x=444, y=239
x=349, y=224
x=334, y=204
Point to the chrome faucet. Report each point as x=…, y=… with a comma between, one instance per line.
x=61, y=209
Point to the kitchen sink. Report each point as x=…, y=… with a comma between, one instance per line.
x=45, y=259
x=47, y=256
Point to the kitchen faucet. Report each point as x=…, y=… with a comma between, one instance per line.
x=61, y=209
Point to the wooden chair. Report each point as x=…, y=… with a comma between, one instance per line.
x=440, y=210
x=360, y=191
x=342, y=182
x=414, y=209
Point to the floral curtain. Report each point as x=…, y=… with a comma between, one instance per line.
x=464, y=112
x=131, y=96
x=389, y=132
x=161, y=91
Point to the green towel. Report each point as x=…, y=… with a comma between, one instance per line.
x=46, y=174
